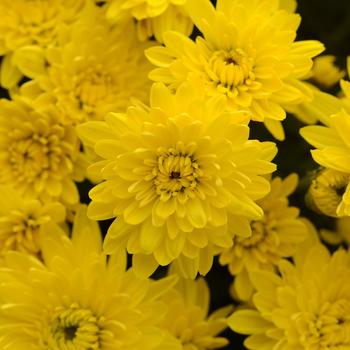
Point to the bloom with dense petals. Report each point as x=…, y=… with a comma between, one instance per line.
x=38, y=155
x=332, y=152
x=187, y=317
x=88, y=78
x=26, y=23
x=76, y=298
x=326, y=192
x=273, y=237
x=172, y=173
x=304, y=307
x=248, y=54
x=21, y=219
x=153, y=18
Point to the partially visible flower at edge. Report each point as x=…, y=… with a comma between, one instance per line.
x=274, y=237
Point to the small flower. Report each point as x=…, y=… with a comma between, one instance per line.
x=77, y=298
x=26, y=24
x=331, y=191
x=172, y=173
x=303, y=306
x=38, y=155
x=325, y=73
x=273, y=237
x=21, y=219
x=187, y=317
x=247, y=54
x=326, y=192
x=152, y=18
x=86, y=79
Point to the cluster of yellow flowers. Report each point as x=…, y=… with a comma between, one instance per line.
x=119, y=98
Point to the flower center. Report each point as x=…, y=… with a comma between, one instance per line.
x=262, y=243
x=20, y=231
x=327, y=190
x=329, y=329
x=75, y=328
x=36, y=150
x=92, y=86
x=176, y=173
x=230, y=69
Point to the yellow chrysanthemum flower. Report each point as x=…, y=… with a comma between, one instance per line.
x=187, y=317
x=332, y=152
x=77, y=298
x=88, y=78
x=325, y=194
x=38, y=155
x=21, y=219
x=273, y=237
x=26, y=23
x=340, y=234
x=248, y=54
x=172, y=173
x=306, y=306
x=153, y=18
x=325, y=73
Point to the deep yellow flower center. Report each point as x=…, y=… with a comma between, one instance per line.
x=230, y=69
x=262, y=243
x=176, y=173
x=20, y=231
x=326, y=191
x=329, y=329
x=34, y=19
x=33, y=154
x=92, y=86
x=75, y=328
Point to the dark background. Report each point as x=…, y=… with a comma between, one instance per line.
x=329, y=22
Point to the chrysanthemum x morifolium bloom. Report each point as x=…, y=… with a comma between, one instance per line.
x=172, y=173
x=333, y=152
x=306, y=306
x=325, y=73
x=88, y=78
x=247, y=54
x=273, y=237
x=38, y=155
x=188, y=319
x=21, y=219
x=152, y=18
x=77, y=298
x=26, y=23
x=327, y=193
x=340, y=234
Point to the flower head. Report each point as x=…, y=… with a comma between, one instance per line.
x=326, y=192
x=187, y=317
x=38, y=155
x=153, y=18
x=77, y=298
x=85, y=79
x=33, y=23
x=332, y=152
x=304, y=306
x=273, y=237
x=247, y=54
x=21, y=220
x=172, y=173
